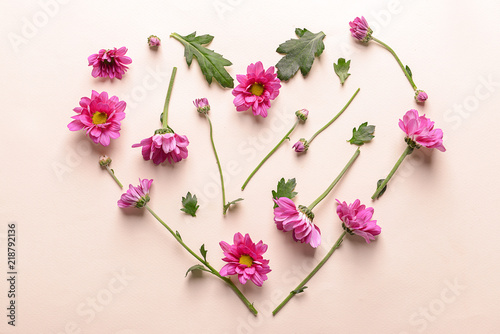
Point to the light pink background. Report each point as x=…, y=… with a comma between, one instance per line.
x=434, y=268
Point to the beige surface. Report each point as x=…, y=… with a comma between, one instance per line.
x=434, y=268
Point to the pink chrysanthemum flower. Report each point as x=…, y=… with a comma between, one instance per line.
x=202, y=105
x=421, y=96
x=360, y=29
x=256, y=89
x=301, y=145
x=167, y=146
x=244, y=259
x=420, y=130
x=109, y=63
x=136, y=196
x=357, y=219
x=288, y=217
x=100, y=116
x=154, y=41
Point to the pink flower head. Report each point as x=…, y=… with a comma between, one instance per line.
x=136, y=196
x=109, y=63
x=244, y=259
x=360, y=29
x=420, y=131
x=287, y=218
x=421, y=96
x=301, y=145
x=202, y=105
x=256, y=89
x=167, y=146
x=100, y=116
x=302, y=114
x=356, y=219
x=154, y=41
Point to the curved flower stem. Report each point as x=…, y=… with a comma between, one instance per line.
x=302, y=284
x=334, y=183
x=177, y=237
x=167, y=99
x=408, y=76
x=270, y=153
x=218, y=165
x=406, y=152
x=112, y=173
x=334, y=118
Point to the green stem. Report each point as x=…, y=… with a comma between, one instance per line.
x=218, y=165
x=114, y=176
x=270, y=153
x=408, y=76
x=315, y=270
x=406, y=152
x=205, y=263
x=334, y=183
x=167, y=99
x=334, y=118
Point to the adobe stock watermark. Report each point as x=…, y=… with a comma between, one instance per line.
x=378, y=20
x=30, y=26
x=425, y=315
x=470, y=104
x=221, y=7
x=89, y=309
x=72, y=159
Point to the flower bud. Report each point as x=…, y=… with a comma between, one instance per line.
x=420, y=96
x=302, y=114
x=104, y=161
x=154, y=41
x=202, y=105
x=301, y=145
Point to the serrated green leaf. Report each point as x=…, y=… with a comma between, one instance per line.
x=189, y=204
x=285, y=189
x=226, y=206
x=196, y=267
x=363, y=134
x=203, y=252
x=212, y=64
x=379, y=183
x=299, y=290
x=299, y=53
x=409, y=71
x=341, y=69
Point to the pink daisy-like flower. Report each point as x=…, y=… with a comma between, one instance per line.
x=109, y=63
x=256, y=89
x=420, y=130
x=161, y=147
x=100, y=116
x=301, y=145
x=136, y=196
x=244, y=259
x=288, y=217
x=360, y=29
x=357, y=219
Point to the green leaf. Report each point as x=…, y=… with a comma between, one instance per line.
x=299, y=53
x=285, y=189
x=409, y=71
x=341, y=69
x=299, y=290
x=196, y=267
x=226, y=206
x=211, y=63
x=363, y=134
x=379, y=183
x=203, y=252
x=189, y=204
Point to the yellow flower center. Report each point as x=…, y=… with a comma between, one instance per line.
x=246, y=260
x=257, y=89
x=99, y=118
